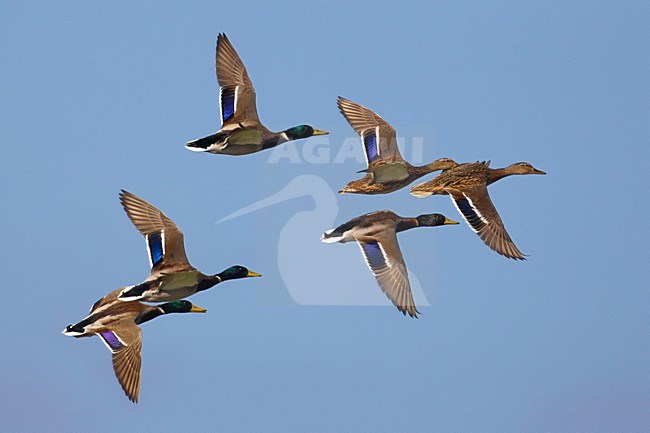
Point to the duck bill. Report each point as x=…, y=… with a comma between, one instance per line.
x=448, y=221
x=536, y=171
x=319, y=132
x=196, y=309
x=253, y=274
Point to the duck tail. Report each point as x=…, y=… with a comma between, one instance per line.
x=330, y=237
x=133, y=293
x=74, y=330
x=203, y=144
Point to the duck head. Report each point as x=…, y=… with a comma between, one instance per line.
x=236, y=272
x=303, y=131
x=442, y=164
x=181, y=306
x=434, y=219
x=523, y=168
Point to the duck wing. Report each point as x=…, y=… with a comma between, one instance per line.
x=237, y=94
x=384, y=258
x=476, y=207
x=165, y=244
x=378, y=137
x=124, y=340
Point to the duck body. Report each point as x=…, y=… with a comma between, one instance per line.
x=386, y=170
x=368, y=226
x=172, y=277
x=239, y=139
x=241, y=131
x=106, y=312
x=369, y=185
x=376, y=235
x=467, y=187
x=116, y=323
x=462, y=176
x=163, y=287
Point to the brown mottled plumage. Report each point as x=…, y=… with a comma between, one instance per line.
x=387, y=170
x=467, y=187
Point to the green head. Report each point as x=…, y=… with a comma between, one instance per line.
x=236, y=272
x=434, y=219
x=303, y=131
x=181, y=306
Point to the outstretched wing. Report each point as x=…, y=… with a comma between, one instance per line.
x=237, y=95
x=385, y=261
x=164, y=239
x=378, y=137
x=124, y=340
x=476, y=207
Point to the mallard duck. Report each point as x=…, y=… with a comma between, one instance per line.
x=241, y=132
x=376, y=234
x=116, y=323
x=172, y=277
x=386, y=169
x=467, y=187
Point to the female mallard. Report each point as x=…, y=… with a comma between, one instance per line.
x=116, y=323
x=172, y=277
x=241, y=132
x=467, y=187
x=387, y=171
x=376, y=234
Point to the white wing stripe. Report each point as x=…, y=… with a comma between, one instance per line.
x=387, y=260
x=108, y=346
x=220, y=104
x=365, y=258
x=146, y=242
x=469, y=200
x=377, y=141
x=162, y=241
x=462, y=214
x=234, y=106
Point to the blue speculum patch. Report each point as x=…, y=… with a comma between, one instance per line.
x=373, y=254
x=370, y=143
x=110, y=339
x=154, y=241
x=466, y=209
x=227, y=103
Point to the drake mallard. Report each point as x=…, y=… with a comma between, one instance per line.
x=241, y=132
x=116, y=323
x=386, y=170
x=467, y=187
x=172, y=277
x=376, y=234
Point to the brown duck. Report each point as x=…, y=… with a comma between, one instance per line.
x=386, y=170
x=467, y=187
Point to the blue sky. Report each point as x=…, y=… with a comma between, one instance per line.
x=97, y=98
